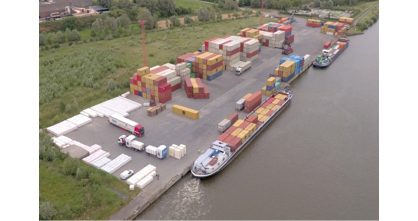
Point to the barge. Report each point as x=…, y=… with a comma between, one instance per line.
x=328, y=56
x=221, y=153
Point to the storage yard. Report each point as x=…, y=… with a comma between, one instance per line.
x=172, y=128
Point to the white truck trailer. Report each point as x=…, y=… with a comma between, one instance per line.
x=129, y=142
x=126, y=124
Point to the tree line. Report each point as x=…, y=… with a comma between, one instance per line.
x=59, y=37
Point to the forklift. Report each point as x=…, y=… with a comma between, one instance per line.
x=287, y=48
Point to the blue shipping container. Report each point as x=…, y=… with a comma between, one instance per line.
x=209, y=78
x=298, y=68
x=191, y=60
x=199, y=50
x=288, y=33
x=269, y=88
x=148, y=91
x=286, y=79
x=140, y=93
x=332, y=26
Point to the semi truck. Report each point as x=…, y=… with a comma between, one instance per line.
x=241, y=66
x=126, y=124
x=160, y=152
x=129, y=142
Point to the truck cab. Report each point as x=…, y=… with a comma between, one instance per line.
x=139, y=130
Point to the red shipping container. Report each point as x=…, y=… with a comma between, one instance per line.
x=221, y=46
x=231, y=129
x=175, y=87
x=144, y=90
x=228, y=139
x=200, y=85
x=230, y=53
x=270, y=100
x=136, y=92
x=206, y=93
x=223, y=136
x=152, y=93
x=158, y=70
x=139, y=79
x=214, y=66
x=244, y=125
x=252, y=119
x=285, y=28
x=165, y=99
x=270, y=113
x=290, y=38
x=233, y=117
x=326, y=45
x=135, y=82
x=250, y=55
x=205, y=60
x=206, y=48
x=196, y=96
x=160, y=81
x=163, y=88
x=265, y=105
x=207, y=42
x=227, y=36
x=143, y=85
x=253, y=99
x=135, y=76
x=131, y=80
x=235, y=143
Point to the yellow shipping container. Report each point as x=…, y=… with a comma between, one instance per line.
x=184, y=111
x=263, y=90
x=215, y=59
x=276, y=101
x=132, y=90
x=264, y=112
x=275, y=107
x=243, y=135
x=259, y=110
x=251, y=127
x=238, y=123
x=200, y=58
x=270, y=106
x=143, y=71
x=271, y=81
x=259, y=117
x=236, y=132
x=214, y=71
x=247, y=95
x=195, y=86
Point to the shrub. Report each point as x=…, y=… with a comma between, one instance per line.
x=42, y=39
x=50, y=155
x=175, y=21
x=188, y=20
x=111, y=85
x=68, y=108
x=70, y=166
x=219, y=15
x=74, y=106
x=81, y=174
x=246, y=15
x=46, y=211
x=204, y=14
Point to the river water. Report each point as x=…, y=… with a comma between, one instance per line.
x=318, y=160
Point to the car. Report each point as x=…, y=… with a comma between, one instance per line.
x=126, y=174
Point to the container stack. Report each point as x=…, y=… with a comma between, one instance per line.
x=231, y=52
x=252, y=102
x=153, y=84
x=207, y=66
x=180, y=70
x=250, y=50
x=299, y=63
x=239, y=105
x=195, y=88
x=177, y=151
x=346, y=20
x=116, y=163
x=313, y=23
x=94, y=156
x=250, y=33
x=307, y=62
x=270, y=87
x=152, y=111
x=147, y=173
x=272, y=40
x=329, y=28
x=240, y=131
x=268, y=108
x=287, y=29
x=227, y=122
x=286, y=70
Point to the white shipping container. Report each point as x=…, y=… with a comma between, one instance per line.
x=223, y=125
x=151, y=149
x=183, y=148
x=174, y=81
x=167, y=73
x=80, y=120
x=177, y=153
x=155, y=67
x=240, y=104
x=100, y=162
x=181, y=66
x=116, y=163
x=62, y=128
x=148, y=179
x=131, y=187
x=94, y=156
x=138, y=145
x=170, y=66
x=90, y=112
x=85, y=114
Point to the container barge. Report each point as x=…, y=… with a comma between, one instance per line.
x=328, y=56
x=221, y=153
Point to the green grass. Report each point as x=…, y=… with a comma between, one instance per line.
x=193, y=4
x=127, y=53
x=78, y=196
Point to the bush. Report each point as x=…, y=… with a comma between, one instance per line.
x=81, y=174
x=219, y=16
x=68, y=108
x=70, y=166
x=50, y=155
x=74, y=106
x=246, y=15
x=42, y=39
x=175, y=21
x=203, y=14
x=46, y=211
x=231, y=5
x=111, y=85
x=188, y=20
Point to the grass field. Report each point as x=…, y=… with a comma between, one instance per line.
x=193, y=4
x=117, y=60
x=78, y=196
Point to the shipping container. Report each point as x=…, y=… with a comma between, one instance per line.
x=184, y=111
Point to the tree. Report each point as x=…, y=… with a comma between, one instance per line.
x=268, y=4
x=76, y=35
x=111, y=23
x=124, y=21
x=151, y=5
x=203, y=14
x=70, y=166
x=175, y=21
x=246, y=15
x=42, y=39
x=98, y=26
x=188, y=20
x=124, y=4
x=317, y=3
x=284, y=4
x=256, y=3
x=145, y=14
x=59, y=37
x=166, y=8
x=221, y=4
x=219, y=15
x=46, y=211
x=107, y=3
x=231, y=5
x=69, y=34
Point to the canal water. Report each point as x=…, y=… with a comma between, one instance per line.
x=318, y=160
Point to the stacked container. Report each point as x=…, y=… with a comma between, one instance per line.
x=207, y=66
x=267, y=109
x=273, y=40
x=298, y=65
x=177, y=151
x=207, y=43
x=270, y=87
x=240, y=131
x=153, y=86
x=346, y=20
x=331, y=28
x=286, y=70
x=307, y=62
x=227, y=122
x=195, y=88
x=251, y=33
x=252, y=102
x=286, y=29
x=313, y=23
x=239, y=105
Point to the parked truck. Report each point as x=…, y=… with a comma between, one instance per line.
x=160, y=152
x=242, y=66
x=126, y=124
x=129, y=142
